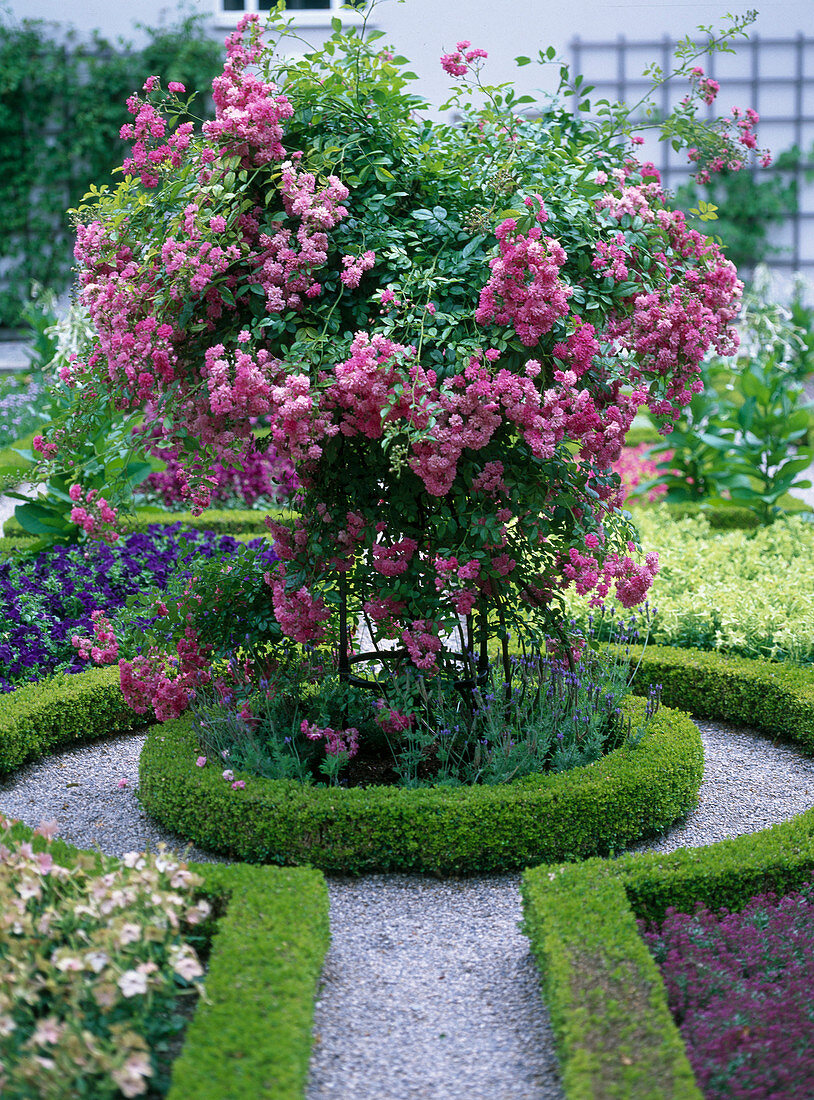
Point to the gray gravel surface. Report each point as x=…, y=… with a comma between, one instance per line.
x=79, y=788
x=429, y=990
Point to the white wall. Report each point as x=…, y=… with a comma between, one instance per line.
x=423, y=29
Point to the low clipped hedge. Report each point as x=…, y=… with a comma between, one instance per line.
x=597, y=809
x=775, y=698
x=250, y=1036
x=40, y=717
x=578, y=814
x=733, y=518
x=616, y=1038
x=226, y=521
x=601, y=808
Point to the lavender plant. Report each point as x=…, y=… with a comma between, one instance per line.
x=282, y=715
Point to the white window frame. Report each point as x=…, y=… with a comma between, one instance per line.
x=318, y=17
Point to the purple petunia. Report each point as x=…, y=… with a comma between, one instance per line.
x=48, y=598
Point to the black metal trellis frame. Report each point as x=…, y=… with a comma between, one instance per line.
x=591, y=59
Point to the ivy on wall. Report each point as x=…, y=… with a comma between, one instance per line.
x=61, y=109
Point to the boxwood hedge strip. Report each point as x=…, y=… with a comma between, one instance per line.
x=224, y=521
x=234, y=521
x=251, y=1036
x=616, y=1039
x=597, y=808
x=40, y=717
x=775, y=698
x=629, y=794
x=580, y=918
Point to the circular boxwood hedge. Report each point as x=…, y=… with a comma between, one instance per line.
x=542, y=818
x=588, y=811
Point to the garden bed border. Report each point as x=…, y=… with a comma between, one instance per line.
x=615, y=1036
x=601, y=808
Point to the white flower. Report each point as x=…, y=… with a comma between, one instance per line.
x=68, y=962
x=132, y=983
x=29, y=888
x=47, y=1031
x=97, y=960
x=198, y=912
x=130, y=1078
x=186, y=965
x=129, y=933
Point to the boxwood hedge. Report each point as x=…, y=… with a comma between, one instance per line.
x=597, y=809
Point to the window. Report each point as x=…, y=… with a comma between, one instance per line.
x=306, y=13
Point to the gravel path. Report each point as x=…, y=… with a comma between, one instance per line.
x=429, y=990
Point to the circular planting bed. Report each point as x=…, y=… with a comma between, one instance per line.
x=587, y=811
x=584, y=812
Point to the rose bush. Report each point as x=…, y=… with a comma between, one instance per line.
x=449, y=328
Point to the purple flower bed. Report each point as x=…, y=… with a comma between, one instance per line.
x=47, y=598
x=741, y=989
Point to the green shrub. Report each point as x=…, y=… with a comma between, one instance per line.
x=228, y=521
x=252, y=1037
x=749, y=594
x=615, y=1036
x=38, y=718
x=774, y=697
x=628, y=794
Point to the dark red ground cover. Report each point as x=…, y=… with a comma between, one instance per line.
x=741, y=989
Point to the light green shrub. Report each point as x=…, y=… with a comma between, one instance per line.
x=747, y=593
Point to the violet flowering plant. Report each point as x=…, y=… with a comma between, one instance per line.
x=48, y=599
x=739, y=987
x=449, y=329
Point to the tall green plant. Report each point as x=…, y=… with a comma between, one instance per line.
x=741, y=440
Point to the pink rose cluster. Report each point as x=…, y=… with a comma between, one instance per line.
x=336, y=741
x=93, y=514
x=103, y=649
x=588, y=575
x=166, y=684
x=737, y=131
x=525, y=290
x=458, y=63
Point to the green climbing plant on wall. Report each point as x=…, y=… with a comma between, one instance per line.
x=61, y=109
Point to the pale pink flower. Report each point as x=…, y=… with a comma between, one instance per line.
x=132, y=983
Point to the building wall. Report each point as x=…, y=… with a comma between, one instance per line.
x=423, y=29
